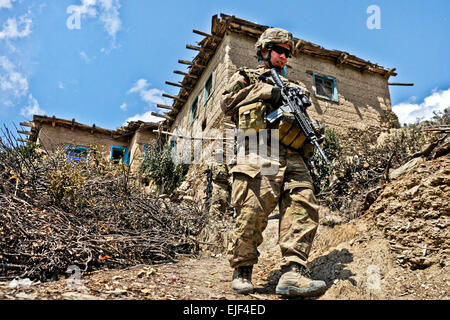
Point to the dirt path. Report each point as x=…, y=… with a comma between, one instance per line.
x=355, y=262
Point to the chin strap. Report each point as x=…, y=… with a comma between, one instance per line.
x=268, y=58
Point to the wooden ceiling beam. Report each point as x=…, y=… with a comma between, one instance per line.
x=185, y=74
x=162, y=116
x=174, y=98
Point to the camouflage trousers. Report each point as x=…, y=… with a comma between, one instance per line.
x=220, y=199
x=254, y=198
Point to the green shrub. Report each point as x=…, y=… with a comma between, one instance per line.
x=159, y=166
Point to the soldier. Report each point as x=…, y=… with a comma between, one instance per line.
x=248, y=98
x=221, y=190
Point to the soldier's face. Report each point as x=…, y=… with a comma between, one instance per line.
x=278, y=60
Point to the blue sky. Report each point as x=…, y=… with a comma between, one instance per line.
x=111, y=65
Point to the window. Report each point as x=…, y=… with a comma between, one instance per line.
x=194, y=107
x=77, y=153
x=119, y=155
x=173, y=145
x=208, y=87
x=325, y=87
x=204, y=125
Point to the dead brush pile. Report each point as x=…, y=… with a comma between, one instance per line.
x=363, y=160
x=55, y=213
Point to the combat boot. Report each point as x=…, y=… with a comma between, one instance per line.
x=296, y=282
x=242, y=280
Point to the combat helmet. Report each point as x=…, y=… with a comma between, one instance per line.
x=274, y=36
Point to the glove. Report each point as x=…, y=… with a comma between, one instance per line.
x=320, y=130
x=276, y=96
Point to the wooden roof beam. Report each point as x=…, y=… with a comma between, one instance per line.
x=206, y=34
x=186, y=74
x=190, y=63
x=174, y=84
x=400, y=84
x=299, y=46
x=162, y=116
x=180, y=85
x=245, y=28
x=174, y=98
x=364, y=68
x=163, y=106
x=201, y=49
x=389, y=73
x=341, y=59
x=25, y=132
x=191, y=47
x=27, y=124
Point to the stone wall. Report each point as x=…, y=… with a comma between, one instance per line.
x=52, y=138
x=137, y=146
x=363, y=98
x=209, y=114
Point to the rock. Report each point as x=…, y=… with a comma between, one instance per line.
x=79, y=296
x=21, y=283
x=23, y=295
x=394, y=174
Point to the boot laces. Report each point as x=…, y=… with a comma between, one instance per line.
x=301, y=270
x=245, y=272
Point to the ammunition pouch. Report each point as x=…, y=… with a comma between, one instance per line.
x=290, y=134
x=253, y=116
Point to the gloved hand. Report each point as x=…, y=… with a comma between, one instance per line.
x=319, y=129
x=276, y=96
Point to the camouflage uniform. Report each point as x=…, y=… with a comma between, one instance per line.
x=220, y=197
x=255, y=196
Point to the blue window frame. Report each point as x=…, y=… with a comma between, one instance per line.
x=146, y=146
x=173, y=145
x=194, y=107
x=76, y=153
x=325, y=87
x=120, y=155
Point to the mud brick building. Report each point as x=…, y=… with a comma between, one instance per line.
x=346, y=91
x=125, y=144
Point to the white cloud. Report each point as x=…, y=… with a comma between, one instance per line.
x=110, y=16
x=409, y=112
x=11, y=28
x=107, y=11
x=31, y=108
x=85, y=57
x=139, y=85
x=123, y=106
x=11, y=81
x=146, y=117
x=6, y=4
x=151, y=96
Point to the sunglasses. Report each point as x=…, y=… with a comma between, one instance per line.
x=281, y=50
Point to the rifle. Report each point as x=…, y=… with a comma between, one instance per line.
x=295, y=102
x=208, y=189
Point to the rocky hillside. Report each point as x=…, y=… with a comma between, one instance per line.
x=397, y=250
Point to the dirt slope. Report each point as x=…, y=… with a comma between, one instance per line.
x=397, y=250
